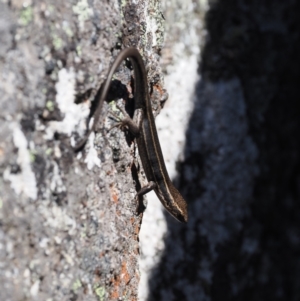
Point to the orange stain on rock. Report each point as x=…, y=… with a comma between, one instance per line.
x=159, y=88
x=119, y=281
x=124, y=273
x=114, y=193
x=114, y=294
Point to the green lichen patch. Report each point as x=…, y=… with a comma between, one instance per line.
x=26, y=16
x=78, y=50
x=32, y=155
x=49, y=151
x=76, y=285
x=100, y=292
x=57, y=41
x=50, y=105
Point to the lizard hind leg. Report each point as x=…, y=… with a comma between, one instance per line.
x=125, y=122
x=119, y=123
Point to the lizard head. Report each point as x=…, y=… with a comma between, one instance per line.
x=177, y=206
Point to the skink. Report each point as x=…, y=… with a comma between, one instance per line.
x=143, y=127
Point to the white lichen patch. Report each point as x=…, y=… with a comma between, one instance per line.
x=35, y=288
x=23, y=182
x=92, y=157
x=57, y=183
x=74, y=114
x=154, y=24
x=58, y=218
x=152, y=27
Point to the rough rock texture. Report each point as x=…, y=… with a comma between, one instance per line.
x=68, y=229
x=67, y=225
x=240, y=174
